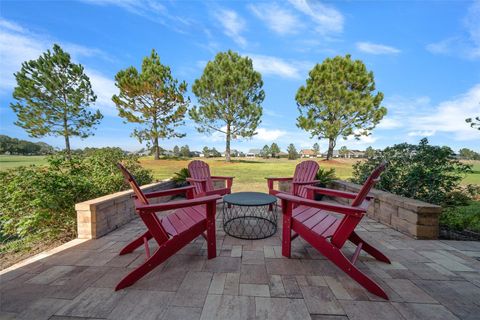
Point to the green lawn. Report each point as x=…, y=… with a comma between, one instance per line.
x=7, y=162
x=250, y=173
x=474, y=177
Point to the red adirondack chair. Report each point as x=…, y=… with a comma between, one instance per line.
x=304, y=175
x=328, y=233
x=191, y=218
x=202, y=181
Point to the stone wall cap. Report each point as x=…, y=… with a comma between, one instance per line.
x=126, y=194
x=408, y=203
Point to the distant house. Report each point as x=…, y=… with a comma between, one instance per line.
x=282, y=154
x=307, y=153
x=357, y=154
x=201, y=155
x=335, y=154
x=196, y=154
x=252, y=153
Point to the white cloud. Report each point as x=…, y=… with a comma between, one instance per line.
x=233, y=25
x=134, y=6
x=449, y=116
x=276, y=18
x=264, y=134
x=274, y=66
x=327, y=18
x=104, y=88
x=17, y=45
x=153, y=10
x=466, y=44
x=375, y=48
x=424, y=133
x=389, y=123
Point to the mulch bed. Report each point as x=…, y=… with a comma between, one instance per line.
x=464, y=235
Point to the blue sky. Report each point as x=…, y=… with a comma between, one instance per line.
x=425, y=56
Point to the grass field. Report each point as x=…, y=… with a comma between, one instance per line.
x=7, y=162
x=249, y=173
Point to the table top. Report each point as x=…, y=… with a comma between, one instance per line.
x=249, y=199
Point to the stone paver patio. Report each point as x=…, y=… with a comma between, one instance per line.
x=248, y=280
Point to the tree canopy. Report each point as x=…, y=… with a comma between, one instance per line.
x=154, y=99
x=265, y=152
x=229, y=94
x=53, y=98
x=474, y=122
x=339, y=99
x=292, y=152
x=274, y=150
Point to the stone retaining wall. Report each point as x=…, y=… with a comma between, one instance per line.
x=415, y=218
x=100, y=216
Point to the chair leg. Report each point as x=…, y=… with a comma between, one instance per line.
x=287, y=236
x=355, y=238
x=136, y=243
x=157, y=258
x=338, y=258
x=211, y=239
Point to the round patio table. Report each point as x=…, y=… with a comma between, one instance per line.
x=250, y=215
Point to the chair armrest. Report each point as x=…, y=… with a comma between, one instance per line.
x=149, y=208
x=306, y=182
x=196, y=180
x=279, y=179
x=168, y=192
x=221, y=178
x=335, y=193
x=338, y=208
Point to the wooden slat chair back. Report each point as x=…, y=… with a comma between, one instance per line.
x=326, y=232
x=189, y=219
x=154, y=224
x=304, y=175
x=202, y=180
x=350, y=222
x=200, y=170
x=305, y=172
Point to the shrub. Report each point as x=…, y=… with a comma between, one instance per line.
x=462, y=217
x=422, y=171
x=39, y=201
x=325, y=176
x=181, y=176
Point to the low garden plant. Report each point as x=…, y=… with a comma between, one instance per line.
x=424, y=172
x=431, y=174
x=37, y=202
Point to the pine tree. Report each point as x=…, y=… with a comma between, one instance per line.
x=339, y=99
x=152, y=98
x=54, y=95
x=292, y=152
x=274, y=150
x=316, y=149
x=230, y=94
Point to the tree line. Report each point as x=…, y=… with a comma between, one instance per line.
x=16, y=146
x=54, y=97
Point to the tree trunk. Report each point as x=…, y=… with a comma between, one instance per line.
x=156, y=148
x=331, y=146
x=227, y=147
x=67, y=147
x=67, y=138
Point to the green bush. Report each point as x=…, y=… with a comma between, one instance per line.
x=462, y=217
x=39, y=201
x=325, y=176
x=181, y=176
x=423, y=172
